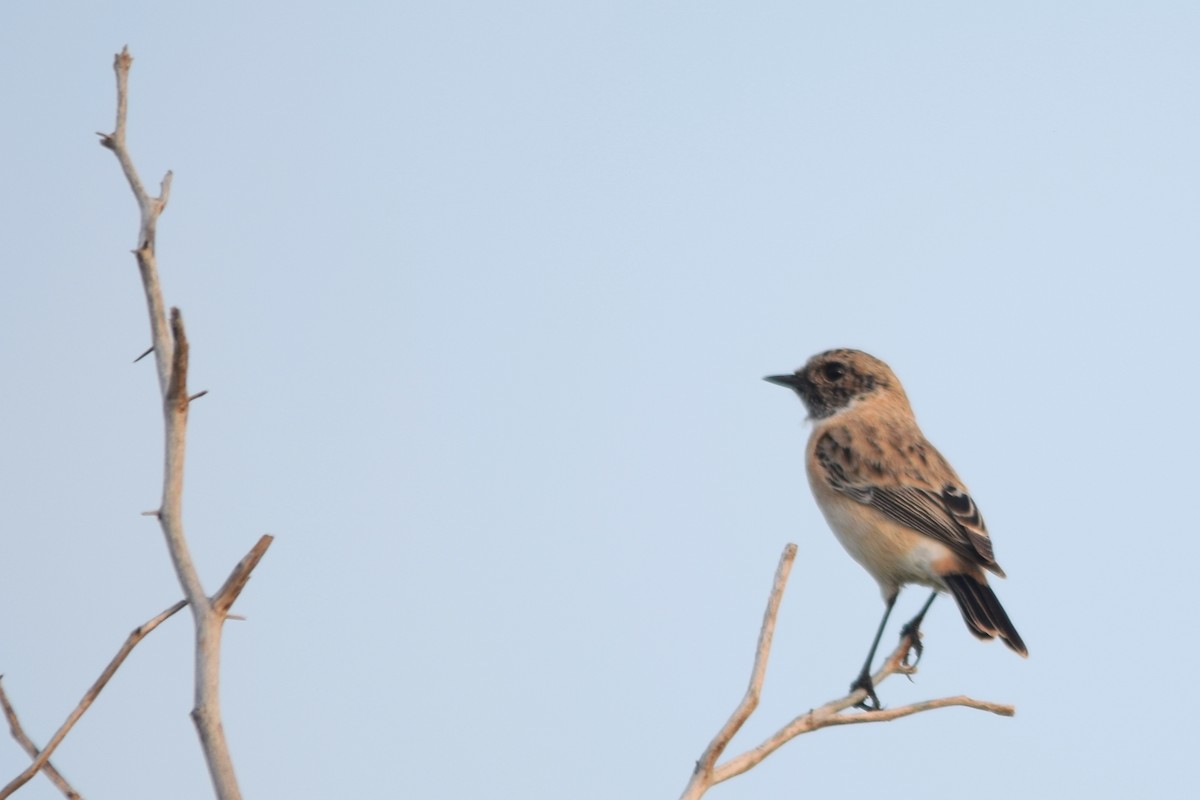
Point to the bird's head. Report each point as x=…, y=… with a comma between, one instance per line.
x=834, y=380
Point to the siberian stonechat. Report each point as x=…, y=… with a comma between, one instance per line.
x=893, y=501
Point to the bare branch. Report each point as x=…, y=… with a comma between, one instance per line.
x=835, y=712
x=224, y=599
x=708, y=760
x=14, y=725
x=889, y=714
x=150, y=208
x=175, y=408
x=163, y=346
x=89, y=697
x=115, y=141
x=170, y=347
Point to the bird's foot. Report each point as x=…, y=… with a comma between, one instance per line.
x=912, y=632
x=871, y=701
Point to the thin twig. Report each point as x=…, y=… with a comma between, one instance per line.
x=708, y=760
x=889, y=714
x=149, y=208
x=835, y=712
x=14, y=725
x=89, y=697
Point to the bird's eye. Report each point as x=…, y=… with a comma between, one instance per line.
x=834, y=370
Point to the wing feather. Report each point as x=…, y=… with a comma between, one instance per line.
x=942, y=510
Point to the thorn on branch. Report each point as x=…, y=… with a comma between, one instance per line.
x=143, y=355
x=198, y=395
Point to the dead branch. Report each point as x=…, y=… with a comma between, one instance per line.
x=18, y=733
x=170, y=347
x=89, y=697
x=835, y=712
x=151, y=208
x=224, y=599
x=708, y=760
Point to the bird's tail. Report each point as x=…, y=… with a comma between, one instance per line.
x=982, y=612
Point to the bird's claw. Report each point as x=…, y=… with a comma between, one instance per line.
x=913, y=634
x=871, y=701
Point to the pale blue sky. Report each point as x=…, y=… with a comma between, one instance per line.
x=483, y=293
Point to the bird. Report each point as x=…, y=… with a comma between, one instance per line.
x=893, y=501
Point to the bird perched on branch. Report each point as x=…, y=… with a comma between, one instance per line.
x=895, y=503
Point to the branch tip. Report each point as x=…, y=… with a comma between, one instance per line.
x=164, y=191
x=225, y=597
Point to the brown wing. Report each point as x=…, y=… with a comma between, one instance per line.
x=928, y=502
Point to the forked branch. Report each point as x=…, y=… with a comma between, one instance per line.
x=836, y=712
x=170, y=346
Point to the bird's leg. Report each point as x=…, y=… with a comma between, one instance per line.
x=912, y=630
x=863, y=681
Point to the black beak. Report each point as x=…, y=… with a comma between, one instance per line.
x=790, y=381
